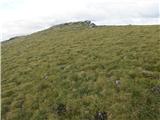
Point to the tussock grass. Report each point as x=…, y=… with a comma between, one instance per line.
x=76, y=66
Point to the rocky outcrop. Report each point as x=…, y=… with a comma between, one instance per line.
x=87, y=23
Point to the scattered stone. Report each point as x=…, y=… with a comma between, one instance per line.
x=87, y=22
x=101, y=116
x=61, y=109
x=45, y=76
x=92, y=25
x=156, y=89
x=148, y=74
x=117, y=83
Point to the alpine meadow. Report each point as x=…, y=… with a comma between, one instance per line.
x=82, y=71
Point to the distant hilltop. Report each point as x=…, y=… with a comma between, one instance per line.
x=85, y=23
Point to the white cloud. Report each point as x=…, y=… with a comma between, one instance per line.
x=20, y=17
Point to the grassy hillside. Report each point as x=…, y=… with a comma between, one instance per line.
x=80, y=72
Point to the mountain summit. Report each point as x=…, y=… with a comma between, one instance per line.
x=85, y=23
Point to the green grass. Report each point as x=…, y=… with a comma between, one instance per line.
x=77, y=66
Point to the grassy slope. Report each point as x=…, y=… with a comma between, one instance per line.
x=78, y=66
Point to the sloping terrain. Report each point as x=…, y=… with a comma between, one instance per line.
x=79, y=71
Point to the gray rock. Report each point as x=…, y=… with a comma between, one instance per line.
x=101, y=116
x=156, y=89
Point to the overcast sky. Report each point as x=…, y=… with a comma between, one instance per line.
x=20, y=17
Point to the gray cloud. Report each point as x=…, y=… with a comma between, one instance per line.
x=19, y=20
